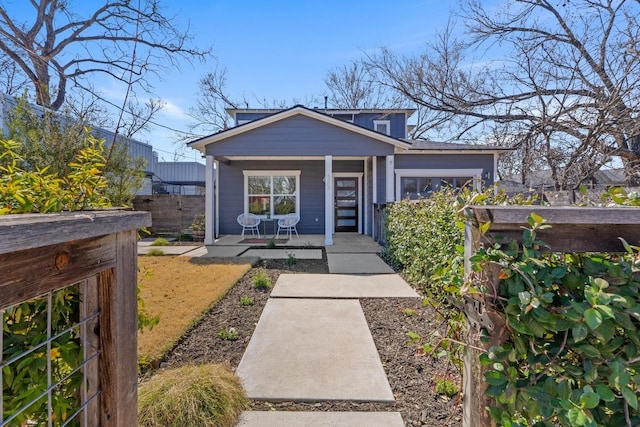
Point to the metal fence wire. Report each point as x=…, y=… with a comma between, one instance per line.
x=49, y=363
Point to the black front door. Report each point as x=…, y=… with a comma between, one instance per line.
x=346, y=204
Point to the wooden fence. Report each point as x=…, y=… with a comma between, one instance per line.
x=41, y=254
x=574, y=229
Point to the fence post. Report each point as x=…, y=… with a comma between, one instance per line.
x=119, y=322
x=474, y=400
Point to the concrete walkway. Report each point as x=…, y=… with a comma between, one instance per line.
x=342, y=286
x=312, y=344
x=302, y=351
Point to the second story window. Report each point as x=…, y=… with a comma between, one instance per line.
x=382, y=126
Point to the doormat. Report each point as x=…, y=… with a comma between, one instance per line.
x=265, y=241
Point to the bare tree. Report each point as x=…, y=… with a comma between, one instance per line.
x=12, y=81
x=209, y=113
x=353, y=87
x=565, y=88
x=58, y=45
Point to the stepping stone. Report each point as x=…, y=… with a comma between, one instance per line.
x=342, y=286
x=319, y=419
x=340, y=263
x=310, y=350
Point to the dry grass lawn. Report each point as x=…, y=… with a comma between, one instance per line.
x=179, y=292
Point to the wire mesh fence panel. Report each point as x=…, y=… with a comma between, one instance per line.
x=49, y=363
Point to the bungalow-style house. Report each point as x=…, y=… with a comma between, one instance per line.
x=327, y=166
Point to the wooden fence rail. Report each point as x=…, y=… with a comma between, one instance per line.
x=42, y=253
x=574, y=229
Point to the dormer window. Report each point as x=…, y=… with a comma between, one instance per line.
x=382, y=126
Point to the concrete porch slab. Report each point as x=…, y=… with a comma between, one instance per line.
x=342, y=286
x=361, y=263
x=319, y=419
x=313, y=350
x=284, y=253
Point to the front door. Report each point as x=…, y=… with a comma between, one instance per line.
x=346, y=203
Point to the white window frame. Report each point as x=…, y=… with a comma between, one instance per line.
x=271, y=173
x=436, y=173
x=387, y=124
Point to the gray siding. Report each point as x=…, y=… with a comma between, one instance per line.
x=250, y=116
x=299, y=136
x=397, y=122
x=448, y=161
x=311, y=193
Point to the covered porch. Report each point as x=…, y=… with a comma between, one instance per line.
x=331, y=194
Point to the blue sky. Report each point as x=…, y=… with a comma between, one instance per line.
x=283, y=49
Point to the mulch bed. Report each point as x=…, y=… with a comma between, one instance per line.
x=410, y=373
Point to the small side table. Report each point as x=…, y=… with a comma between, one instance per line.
x=264, y=227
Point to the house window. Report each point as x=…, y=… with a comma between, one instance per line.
x=415, y=187
x=382, y=126
x=416, y=183
x=273, y=193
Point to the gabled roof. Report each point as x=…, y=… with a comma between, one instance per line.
x=329, y=111
x=200, y=143
x=421, y=144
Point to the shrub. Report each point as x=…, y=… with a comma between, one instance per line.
x=156, y=252
x=446, y=386
x=229, y=334
x=261, y=281
x=408, y=311
x=245, y=300
x=271, y=244
x=160, y=241
x=291, y=259
x=571, y=355
x=423, y=238
x=206, y=395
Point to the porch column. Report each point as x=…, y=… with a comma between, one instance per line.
x=390, y=184
x=328, y=200
x=208, y=201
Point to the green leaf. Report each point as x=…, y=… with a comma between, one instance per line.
x=589, y=399
x=579, y=332
x=593, y=318
x=605, y=393
x=537, y=218
x=576, y=417
x=606, y=310
x=588, y=350
x=495, y=378
x=484, y=227
x=630, y=397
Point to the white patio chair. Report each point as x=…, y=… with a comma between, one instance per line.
x=288, y=223
x=249, y=222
